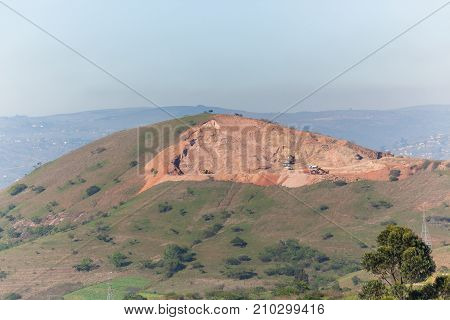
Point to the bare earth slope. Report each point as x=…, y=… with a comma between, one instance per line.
x=232, y=148
x=53, y=224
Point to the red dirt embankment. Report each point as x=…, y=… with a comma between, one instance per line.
x=233, y=148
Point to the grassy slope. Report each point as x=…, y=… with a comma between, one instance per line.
x=42, y=268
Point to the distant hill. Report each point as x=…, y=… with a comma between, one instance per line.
x=416, y=131
x=85, y=222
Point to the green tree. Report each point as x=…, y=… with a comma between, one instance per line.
x=86, y=265
x=400, y=260
x=373, y=290
x=119, y=260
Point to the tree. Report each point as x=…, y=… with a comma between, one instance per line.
x=92, y=190
x=373, y=290
x=16, y=189
x=86, y=265
x=238, y=242
x=119, y=260
x=400, y=260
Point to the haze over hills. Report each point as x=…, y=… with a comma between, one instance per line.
x=416, y=131
x=218, y=233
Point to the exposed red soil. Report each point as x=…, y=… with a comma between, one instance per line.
x=232, y=148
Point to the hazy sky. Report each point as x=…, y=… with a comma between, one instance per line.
x=255, y=55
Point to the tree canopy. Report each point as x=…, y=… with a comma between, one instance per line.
x=401, y=259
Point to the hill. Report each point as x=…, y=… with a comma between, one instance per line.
x=26, y=141
x=211, y=238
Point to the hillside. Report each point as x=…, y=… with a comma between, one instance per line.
x=418, y=131
x=93, y=203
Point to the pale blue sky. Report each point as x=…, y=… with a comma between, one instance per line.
x=255, y=55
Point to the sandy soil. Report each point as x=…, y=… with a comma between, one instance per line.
x=233, y=148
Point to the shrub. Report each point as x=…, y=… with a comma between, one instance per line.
x=324, y=207
x=237, y=229
x=436, y=164
x=149, y=264
x=119, y=260
x=3, y=275
x=164, y=207
x=197, y=265
x=395, y=173
x=232, y=262
x=86, y=265
x=340, y=183
x=211, y=232
x=356, y=280
x=238, y=242
x=244, y=257
x=16, y=189
x=373, y=290
x=208, y=217
x=13, y=233
x=327, y=236
x=92, y=190
x=105, y=237
x=41, y=231
x=13, y=296
x=133, y=164
x=36, y=220
x=380, y=204
x=134, y=296
x=426, y=164
x=240, y=273
x=290, y=251
x=176, y=252
x=38, y=189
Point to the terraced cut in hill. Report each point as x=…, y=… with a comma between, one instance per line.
x=89, y=221
x=232, y=148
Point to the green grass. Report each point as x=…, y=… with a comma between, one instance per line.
x=119, y=288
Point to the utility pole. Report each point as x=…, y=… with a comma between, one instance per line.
x=425, y=235
x=110, y=294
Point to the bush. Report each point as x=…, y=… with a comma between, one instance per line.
x=238, y=242
x=240, y=273
x=92, y=190
x=16, y=189
x=13, y=233
x=211, y=232
x=86, y=265
x=327, y=236
x=340, y=183
x=13, y=296
x=380, y=204
x=237, y=229
x=119, y=260
x=244, y=257
x=356, y=280
x=426, y=164
x=164, y=207
x=290, y=251
x=324, y=207
x=232, y=262
x=373, y=290
x=395, y=173
x=40, y=231
x=3, y=275
x=36, y=220
x=38, y=189
x=134, y=296
x=133, y=164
